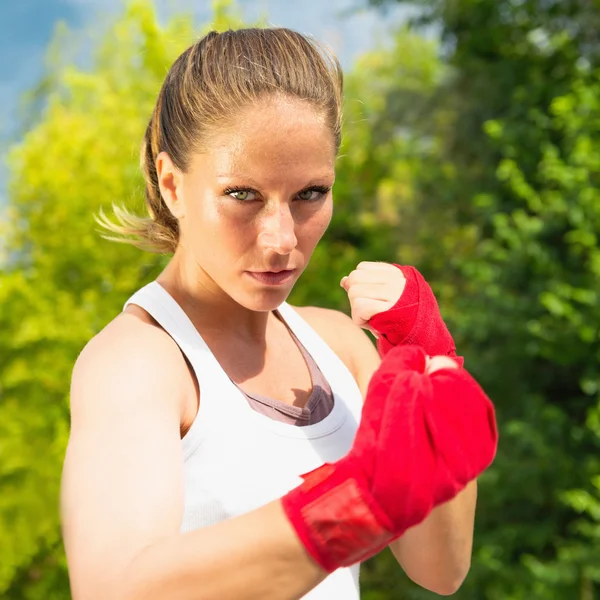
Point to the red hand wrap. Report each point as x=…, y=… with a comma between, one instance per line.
x=421, y=439
x=414, y=319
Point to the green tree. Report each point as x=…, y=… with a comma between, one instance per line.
x=521, y=171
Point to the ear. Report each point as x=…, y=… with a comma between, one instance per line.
x=170, y=182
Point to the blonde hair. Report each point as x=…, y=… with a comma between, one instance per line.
x=207, y=85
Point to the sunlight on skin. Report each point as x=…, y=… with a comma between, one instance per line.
x=435, y=363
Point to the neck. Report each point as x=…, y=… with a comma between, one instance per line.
x=209, y=308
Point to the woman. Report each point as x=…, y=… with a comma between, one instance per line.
x=215, y=449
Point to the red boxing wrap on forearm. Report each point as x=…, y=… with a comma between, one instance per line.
x=421, y=439
x=414, y=319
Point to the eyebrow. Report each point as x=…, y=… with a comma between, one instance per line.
x=250, y=181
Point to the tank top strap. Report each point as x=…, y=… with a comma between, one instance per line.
x=163, y=308
x=330, y=364
x=157, y=302
x=316, y=376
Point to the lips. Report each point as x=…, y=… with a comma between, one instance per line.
x=273, y=277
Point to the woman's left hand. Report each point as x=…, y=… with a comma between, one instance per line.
x=373, y=287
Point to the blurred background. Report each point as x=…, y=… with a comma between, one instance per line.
x=471, y=150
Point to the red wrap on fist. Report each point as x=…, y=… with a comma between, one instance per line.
x=414, y=319
x=421, y=439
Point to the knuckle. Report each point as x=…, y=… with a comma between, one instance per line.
x=364, y=264
x=353, y=277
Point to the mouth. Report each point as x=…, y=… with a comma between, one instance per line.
x=273, y=278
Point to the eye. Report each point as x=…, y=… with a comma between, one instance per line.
x=308, y=195
x=243, y=195
x=313, y=193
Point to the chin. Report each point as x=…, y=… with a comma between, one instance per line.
x=266, y=302
x=263, y=300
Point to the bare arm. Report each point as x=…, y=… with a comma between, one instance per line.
x=253, y=556
x=436, y=554
x=122, y=490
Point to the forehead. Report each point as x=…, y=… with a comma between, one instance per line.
x=274, y=137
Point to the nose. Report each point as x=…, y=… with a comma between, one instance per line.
x=278, y=230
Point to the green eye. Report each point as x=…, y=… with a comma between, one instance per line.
x=242, y=195
x=307, y=195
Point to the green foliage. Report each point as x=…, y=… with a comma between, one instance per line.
x=543, y=251
x=519, y=146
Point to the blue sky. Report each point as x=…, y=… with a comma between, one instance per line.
x=26, y=28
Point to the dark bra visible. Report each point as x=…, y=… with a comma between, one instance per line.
x=317, y=407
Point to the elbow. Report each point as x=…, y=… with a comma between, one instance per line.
x=443, y=581
x=448, y=584
x=447, y=589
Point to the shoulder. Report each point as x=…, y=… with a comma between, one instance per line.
x=327, y=320
x=122, y=482
x=131, y=359
x=350, y=342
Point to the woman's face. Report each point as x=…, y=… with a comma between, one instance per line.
x=255, y=204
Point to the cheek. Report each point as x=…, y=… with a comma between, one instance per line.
x=315, y=226
x=217, y=224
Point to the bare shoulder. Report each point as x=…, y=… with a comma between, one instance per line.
x=122, y=482
x=329, y=323
x=345, y=338
x=128, y=358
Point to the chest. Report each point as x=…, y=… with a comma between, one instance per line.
x=245, y=462
x=278, y=370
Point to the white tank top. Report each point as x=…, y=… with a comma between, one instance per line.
x=236, y=459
